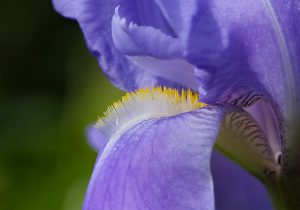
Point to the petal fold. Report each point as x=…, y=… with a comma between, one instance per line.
x=134, y=40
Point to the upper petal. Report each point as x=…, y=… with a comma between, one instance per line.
x=94, y=18
x=249, y=44
x=253, y=45
x=263, y=44
x=137, y=29
x=197, y=29
x=158, y=164
x=145, y=13
x=151, y=48
x=245, y=46
x=140, y=40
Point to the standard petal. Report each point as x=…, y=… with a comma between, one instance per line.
x=94, y=18
x=145, y=13
x=252, y=45
x=245, y=46
x=151, y=46
x=152, y=51
x=135, y=40
x=113, y=40
x=249, y=45
x=235, y=188
x=68, y=9
x=197, y=30
x=158, y=164
x=256, y=54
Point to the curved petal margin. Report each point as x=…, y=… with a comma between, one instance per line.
x=94, y=18
x=112, y=40
x=134, y=40
x=158, y=164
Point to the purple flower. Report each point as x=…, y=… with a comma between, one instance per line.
x=242, y=57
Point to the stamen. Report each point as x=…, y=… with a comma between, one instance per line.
x=144, y=104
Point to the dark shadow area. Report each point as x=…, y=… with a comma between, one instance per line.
x=50, y=90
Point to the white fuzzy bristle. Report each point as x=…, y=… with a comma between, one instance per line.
x=144, y=104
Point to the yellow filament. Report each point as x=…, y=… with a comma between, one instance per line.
x=188, y=99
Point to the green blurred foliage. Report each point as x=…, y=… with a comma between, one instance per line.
x=51, y=88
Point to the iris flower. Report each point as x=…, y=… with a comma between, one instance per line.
x=155, y=145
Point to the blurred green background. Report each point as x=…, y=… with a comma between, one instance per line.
x=51, y=88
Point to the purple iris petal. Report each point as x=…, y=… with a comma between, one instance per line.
x=145, y=13
x=197, y=29
x=235, y=188
x=249, y=44
x=228, y=50
x=95, y=138
x=260, y=41
x=132, y=39
x=170, y=70
x=254, y=44
x=158, y=164
x=94, y=18
x=141, y=33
